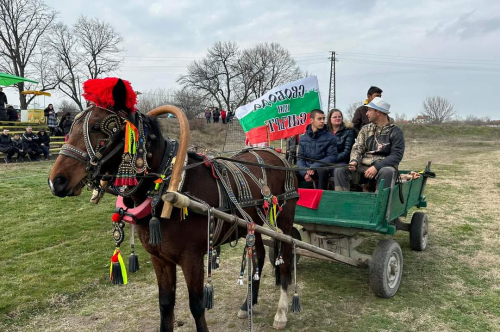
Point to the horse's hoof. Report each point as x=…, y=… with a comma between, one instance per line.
x=279, y=325
x=242, y=314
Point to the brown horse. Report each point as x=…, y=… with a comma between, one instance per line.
x=184, y=243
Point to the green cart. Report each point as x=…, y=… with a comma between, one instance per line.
x=341, y=216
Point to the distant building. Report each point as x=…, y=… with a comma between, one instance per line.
x=421, y=119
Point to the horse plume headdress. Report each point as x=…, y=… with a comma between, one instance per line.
x=110, y=92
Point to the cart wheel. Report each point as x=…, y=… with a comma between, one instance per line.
x=419, y=231
x=296, y=235
x=386, y=268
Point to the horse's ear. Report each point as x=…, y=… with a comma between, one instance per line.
x=120, y=95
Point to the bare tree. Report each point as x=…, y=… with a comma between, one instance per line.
x=87, y=50
x=151, y=99
x=349, y=113
x=276, y=67
x=67, y=69
x=230, y=77
x=99, y=46
x=66, y=106
x=438, y=109
x=399, y=118
x=190, y=101
x=23, y=23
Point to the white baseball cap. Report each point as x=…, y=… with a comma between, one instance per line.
x=380, y=105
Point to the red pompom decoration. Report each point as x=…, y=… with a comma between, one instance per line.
x=114, y=258
x=116, y=217
x=100, y=92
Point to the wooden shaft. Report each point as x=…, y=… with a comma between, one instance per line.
x=179, y=200
x=181, y=153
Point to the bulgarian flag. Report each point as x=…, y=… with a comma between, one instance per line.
x=282, y=112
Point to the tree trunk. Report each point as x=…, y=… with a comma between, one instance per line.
x=22, y=98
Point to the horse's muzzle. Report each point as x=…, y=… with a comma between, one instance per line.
x=59, y=186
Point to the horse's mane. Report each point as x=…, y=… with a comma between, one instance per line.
x=154, y=126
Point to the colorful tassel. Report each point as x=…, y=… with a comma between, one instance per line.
x=155, y=236
x=117, y=270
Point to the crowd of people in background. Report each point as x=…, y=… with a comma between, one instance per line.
x=213, y=113
x=30, y=144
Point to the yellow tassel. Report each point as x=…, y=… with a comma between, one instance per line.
x=184, y=213
x=122, y=266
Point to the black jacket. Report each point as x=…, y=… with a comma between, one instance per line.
x=345, y=141
x=65, y=125
x=5, y=142
x=30, y=144
x=3, y=100
x=18, y=144
x=320, y=145
x=44, y=139
x=12, y=114
x=359, y=119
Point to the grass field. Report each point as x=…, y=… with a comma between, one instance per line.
x=56, y=252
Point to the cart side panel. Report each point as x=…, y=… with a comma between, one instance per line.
x=411, y=195
x=343, y=209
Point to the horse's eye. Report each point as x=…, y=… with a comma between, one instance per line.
x=95, y=128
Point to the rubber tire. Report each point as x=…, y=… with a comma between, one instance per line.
x=382, y=254
x=419, y=231
x=296, y=235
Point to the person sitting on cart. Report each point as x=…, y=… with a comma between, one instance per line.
x=378, y=150
x=317, y=144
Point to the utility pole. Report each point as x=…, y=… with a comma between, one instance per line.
x=332, y=97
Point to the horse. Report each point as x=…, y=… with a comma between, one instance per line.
x=183, y=242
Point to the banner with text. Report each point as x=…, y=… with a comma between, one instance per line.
x=282, y=112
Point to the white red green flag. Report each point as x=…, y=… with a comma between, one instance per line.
x=282, y=112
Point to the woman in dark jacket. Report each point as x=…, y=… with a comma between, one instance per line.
x=66, y=123
x=12, y=114
x=44, y=143
x=344, y=133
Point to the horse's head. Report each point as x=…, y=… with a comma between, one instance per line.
x=96, y=137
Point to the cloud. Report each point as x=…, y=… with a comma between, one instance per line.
x=467, y=26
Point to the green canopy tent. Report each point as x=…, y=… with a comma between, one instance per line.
x=7, y=79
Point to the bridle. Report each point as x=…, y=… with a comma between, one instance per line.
x=95, y=157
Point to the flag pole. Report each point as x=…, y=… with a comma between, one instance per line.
x=267, y=133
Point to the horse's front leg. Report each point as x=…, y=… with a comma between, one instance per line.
x=167, y=277
x=283, y=272
x=193, y=270
x=261, y=256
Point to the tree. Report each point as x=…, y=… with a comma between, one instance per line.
x=66, y=106
x=23, y=23
x=190, y=101
x=438, y=109
x=151, y=99
x=351, y=109
x=87, y=50
x=98, y=45
x=230, y=77
x=399, y=118
x=67, y=69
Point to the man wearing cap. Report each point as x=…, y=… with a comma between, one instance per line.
x=378, y=150
x=359, y=119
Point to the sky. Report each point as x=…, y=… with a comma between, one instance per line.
x=410, y=49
